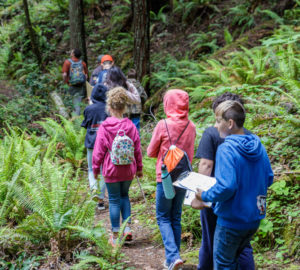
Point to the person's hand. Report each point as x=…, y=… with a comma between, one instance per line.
x=96, y=176
x=196, y=204
x=199, y=194
x=139, y=174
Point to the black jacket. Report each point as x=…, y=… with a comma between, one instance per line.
x=94, y=115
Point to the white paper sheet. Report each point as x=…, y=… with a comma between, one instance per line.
x=196, y=180
x=189, y=196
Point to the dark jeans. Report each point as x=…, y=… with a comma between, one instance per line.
x=208, y=222
x=228, y=245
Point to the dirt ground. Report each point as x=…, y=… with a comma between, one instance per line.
x=142, y=253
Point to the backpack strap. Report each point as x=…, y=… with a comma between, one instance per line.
x=180, y=133
x=70, y=60
x=168, y=131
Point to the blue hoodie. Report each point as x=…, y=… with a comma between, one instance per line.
x=243, y=172
x=94, y=114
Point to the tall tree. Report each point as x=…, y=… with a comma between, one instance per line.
x=141, y=53
x=32, y=34
x=77, y=31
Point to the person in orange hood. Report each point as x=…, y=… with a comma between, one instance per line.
x=168, y=211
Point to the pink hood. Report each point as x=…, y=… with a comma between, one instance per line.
x=176, y=107
x=105, y=136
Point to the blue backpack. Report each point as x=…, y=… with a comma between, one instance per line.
x=102, y=76
x=76, y=74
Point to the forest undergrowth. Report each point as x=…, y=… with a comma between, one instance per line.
x=46, y=213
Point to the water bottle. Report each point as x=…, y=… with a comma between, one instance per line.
x=167, y=183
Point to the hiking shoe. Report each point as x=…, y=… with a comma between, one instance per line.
x=101, y=206
x=112, y=241
x=176, y=265
x=127, y=234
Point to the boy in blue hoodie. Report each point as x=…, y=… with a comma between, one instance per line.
x=243, y=174
x=94, y=115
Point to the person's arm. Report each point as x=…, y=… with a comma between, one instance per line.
x=85, y=70
x=205, y=166
x=133, y=94
x=225, y=173
x=154, y=146
x=99, y=151
x=138, y=153
x=65, y=70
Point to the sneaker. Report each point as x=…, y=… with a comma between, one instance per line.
x=101, y=206
x=176, y=265
x=127, y=234
x=112, y=241
x=166, y=266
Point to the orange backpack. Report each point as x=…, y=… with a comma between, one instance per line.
x=176, y=159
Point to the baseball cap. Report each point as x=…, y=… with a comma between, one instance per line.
x=106, y=57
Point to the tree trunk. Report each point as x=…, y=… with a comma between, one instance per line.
x=32, y=34
x=141, y=51
x=77, y=31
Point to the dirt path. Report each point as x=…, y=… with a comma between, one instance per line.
x=141, y=253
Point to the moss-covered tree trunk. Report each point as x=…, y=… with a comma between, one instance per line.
x=141, y=53
x=32, y=34
x=77, y=31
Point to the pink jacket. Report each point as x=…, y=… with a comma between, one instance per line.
x=176, y=106
x=105, y=136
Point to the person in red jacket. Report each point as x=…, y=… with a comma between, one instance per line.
x=168, y=211
x=75, y=74
x=117, y=177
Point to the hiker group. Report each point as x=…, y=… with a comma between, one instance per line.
x=227, y=151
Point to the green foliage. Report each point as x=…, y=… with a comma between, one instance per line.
x=186, y=8
x=160, y=16
x=70, y=137
x=203, y=41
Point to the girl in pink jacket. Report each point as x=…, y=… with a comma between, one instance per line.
x=117, y=177
x=168, y=211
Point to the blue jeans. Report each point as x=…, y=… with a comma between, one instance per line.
x=136, y=122
x=95, y=184
x=208, y=223
x=228, y=244
x=168, y=215
x=118, y=202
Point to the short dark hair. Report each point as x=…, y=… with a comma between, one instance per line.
x=77, y=53
x=232, y=109
x=224, y=97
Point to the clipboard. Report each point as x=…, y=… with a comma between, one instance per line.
x=89, y=89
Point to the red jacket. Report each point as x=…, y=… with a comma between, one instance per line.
x=176, y=106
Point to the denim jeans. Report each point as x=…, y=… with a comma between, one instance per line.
x=228, y=244
x=208, y=223
x=118, y=202
x=95, y=184
x=168, y=215
x=136, y=121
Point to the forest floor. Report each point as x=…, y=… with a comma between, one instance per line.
x=142, y=253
